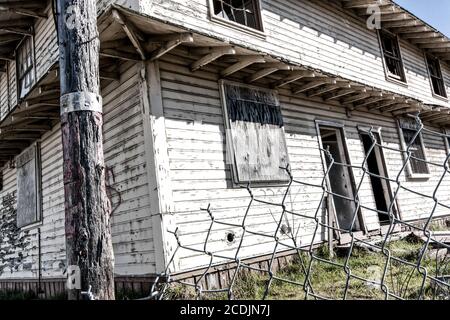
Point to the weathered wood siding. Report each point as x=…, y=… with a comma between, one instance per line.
x=126, y=162
x=45, y=55
x=127, y=186
x=200, y=177
x=315, y=33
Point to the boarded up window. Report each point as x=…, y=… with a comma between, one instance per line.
x=28, y=187
x=413, y=139
x=255, y=135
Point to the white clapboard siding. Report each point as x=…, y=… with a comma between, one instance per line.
x=45, y=43
x=200, y=176
x=125, y=158
x=314, y=33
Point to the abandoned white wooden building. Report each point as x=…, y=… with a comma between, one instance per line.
x=284, y=78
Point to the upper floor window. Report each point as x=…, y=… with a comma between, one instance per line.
x=392, y=56
x=243, y=12
x=25, y=66
x=437, y=80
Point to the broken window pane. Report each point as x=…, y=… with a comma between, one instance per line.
x=245, y=12
x=258, y=147
x=392, y=57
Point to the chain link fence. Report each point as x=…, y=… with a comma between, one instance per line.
x=389, y=265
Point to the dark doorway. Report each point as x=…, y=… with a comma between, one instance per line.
x=340, y=178
x=376, y=166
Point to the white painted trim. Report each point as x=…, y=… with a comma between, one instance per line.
x=157, y=160
x=389, y=77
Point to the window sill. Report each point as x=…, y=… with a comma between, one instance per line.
x=419, y=176
x=396, y=81
x=442, y=98
x=239, y=27
x=31, y=226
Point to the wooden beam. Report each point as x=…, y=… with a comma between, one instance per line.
x=340, y=94
x=112, y=53
x=328, y=89
x=133, y=34
x=172, y=44
x=355, y=98
x=241, y=64
x=214, y=54
x=21, y=31
x=313, y=84
x=269, y=69
x=25, y=12
x=294, y=76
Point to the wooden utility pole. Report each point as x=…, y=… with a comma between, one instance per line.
x=87, y=208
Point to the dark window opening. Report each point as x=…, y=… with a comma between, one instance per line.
x=375, y=165
x=1, y=181
x=392, y=57
x=437, y=81
x=339, y=176
x=417, y=160
x=245, y=12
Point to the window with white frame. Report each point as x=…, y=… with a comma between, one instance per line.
x=436, y=78
x=28, y=187
x=256, y=144
x=25, y=66
x=243, y=12
x=413, y=139
x=392, y=56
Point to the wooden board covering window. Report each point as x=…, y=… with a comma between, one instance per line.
x=28, y=187
x=256, y=134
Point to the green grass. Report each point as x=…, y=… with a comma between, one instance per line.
x=330, y=280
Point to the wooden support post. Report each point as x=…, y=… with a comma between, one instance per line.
x=87, y=209
x=158, y=168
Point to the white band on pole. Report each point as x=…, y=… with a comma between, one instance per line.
x=80, y=101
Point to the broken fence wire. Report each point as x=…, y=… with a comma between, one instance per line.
x=398, y=273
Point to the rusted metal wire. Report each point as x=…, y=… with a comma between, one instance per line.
x=428, y=268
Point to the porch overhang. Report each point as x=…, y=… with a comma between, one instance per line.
x=405, y=24
x=128, y=36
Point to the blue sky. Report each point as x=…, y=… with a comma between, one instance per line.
x=434, y=12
